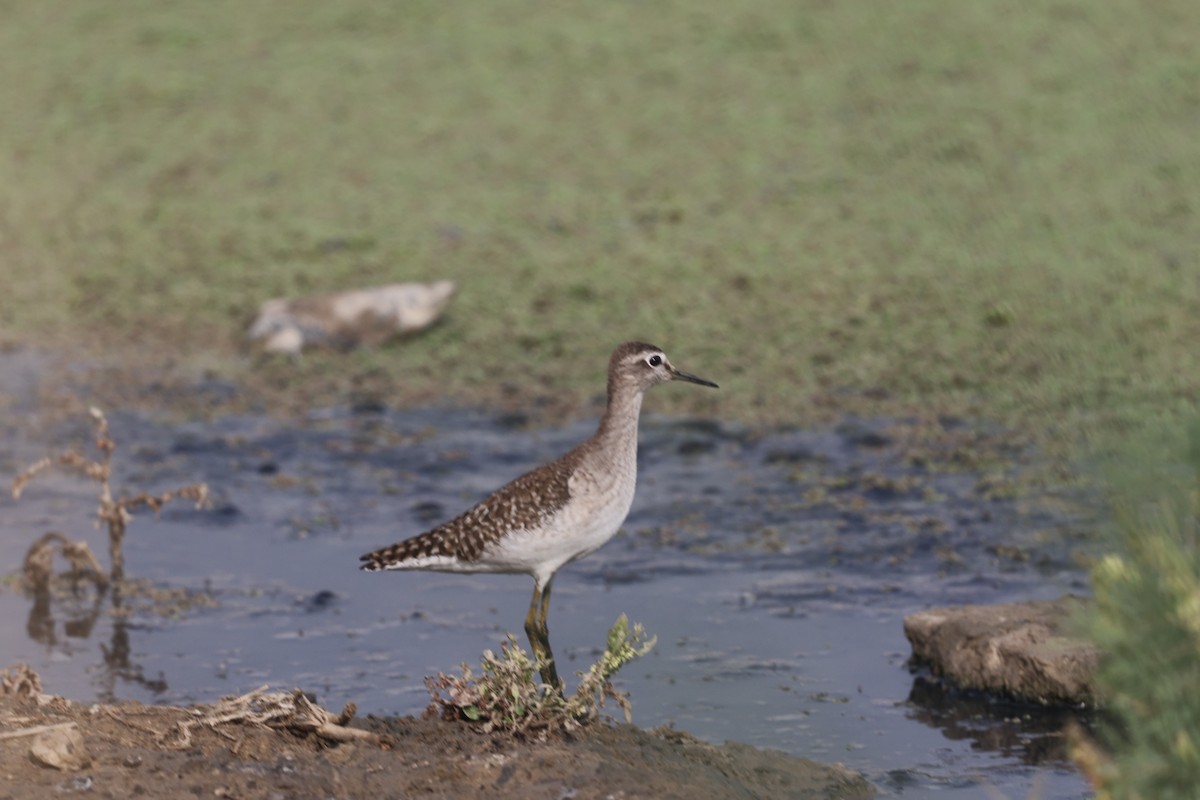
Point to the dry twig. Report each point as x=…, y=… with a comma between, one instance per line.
x=35, y=730
x=113, y=514
x=38, y=567
x=20, y=680
x=279, y=710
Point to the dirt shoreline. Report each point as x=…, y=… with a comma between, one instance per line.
x=135, y=750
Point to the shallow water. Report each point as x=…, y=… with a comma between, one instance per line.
x=774, y=568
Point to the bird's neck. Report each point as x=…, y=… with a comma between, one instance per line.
x=619, y=425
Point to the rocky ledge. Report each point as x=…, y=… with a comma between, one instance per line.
x=1021, y=650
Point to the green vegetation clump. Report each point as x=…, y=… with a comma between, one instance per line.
x=509, y=697
x=1147, y=622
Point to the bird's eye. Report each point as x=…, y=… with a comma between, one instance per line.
x=654, y=361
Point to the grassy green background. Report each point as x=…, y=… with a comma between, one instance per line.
x=987, y=208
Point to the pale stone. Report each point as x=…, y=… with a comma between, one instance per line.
x=343, y=320
x=61, y=748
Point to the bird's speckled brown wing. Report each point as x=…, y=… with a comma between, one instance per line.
x=520, y=505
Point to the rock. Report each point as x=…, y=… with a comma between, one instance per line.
x=1016, y=649
x=344, y=320
x=61, y=748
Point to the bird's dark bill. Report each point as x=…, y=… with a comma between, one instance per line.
x=679, y=374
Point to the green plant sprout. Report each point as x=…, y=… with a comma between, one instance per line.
x=508, y=696
x=1147, y=622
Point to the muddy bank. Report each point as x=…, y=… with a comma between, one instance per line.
x=133, y=750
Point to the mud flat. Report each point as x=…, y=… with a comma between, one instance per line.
x=134, y=750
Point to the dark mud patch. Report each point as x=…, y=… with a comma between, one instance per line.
x=129, y=750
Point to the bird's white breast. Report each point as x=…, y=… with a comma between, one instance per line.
x=598, y=506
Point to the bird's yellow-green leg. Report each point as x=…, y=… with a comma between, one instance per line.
x=539, y=635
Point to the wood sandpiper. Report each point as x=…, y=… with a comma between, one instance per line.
x=555, y=513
